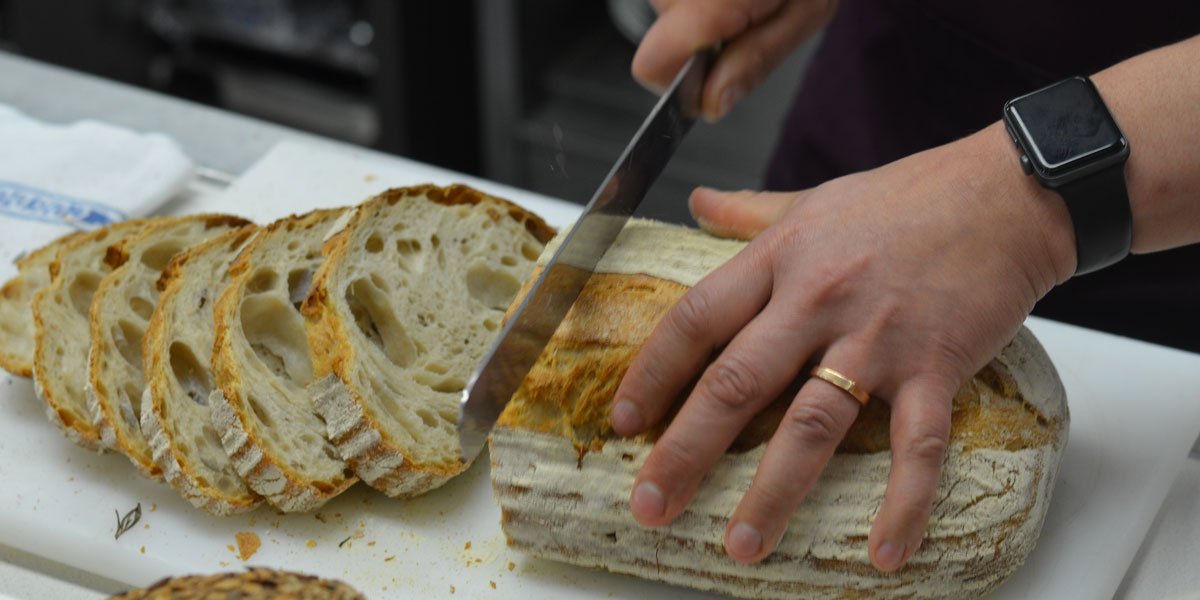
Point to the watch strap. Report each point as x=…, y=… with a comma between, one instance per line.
x=1103, y=221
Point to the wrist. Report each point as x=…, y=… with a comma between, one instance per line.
x=1022, y=203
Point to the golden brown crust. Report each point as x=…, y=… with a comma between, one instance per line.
x=255, y=583
x=20, y=291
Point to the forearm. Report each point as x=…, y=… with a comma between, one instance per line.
x=1155, y=98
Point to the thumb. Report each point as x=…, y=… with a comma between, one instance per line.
x=741, y=215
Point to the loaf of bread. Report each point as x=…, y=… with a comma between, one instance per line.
x=61, y=331
x=563, y=478
x=411, y=294
x=255, y=583
x=176, y=417
x=120, y=312
x=262, y=363
x=16, y=306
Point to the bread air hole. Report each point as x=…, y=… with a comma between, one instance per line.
x=374, y=244
x=193, y=378
x=490, y=287
x=157, y=256
x=530, y=251
x=141, y=307
x=263, y=280
x=127, y=337
x=299, y=282
x=508, y=261
x=81, y=290
x=260, y=412
x=377, y=322
x=275, y=332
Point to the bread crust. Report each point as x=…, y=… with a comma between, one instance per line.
x=178, y=470
x=265, y=472
x=63, y=389
x=563, y=478
x=379, y=460
x=255, y=583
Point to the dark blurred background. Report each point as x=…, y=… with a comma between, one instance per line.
x=534, y=93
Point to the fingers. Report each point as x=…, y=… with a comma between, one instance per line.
x=747, y=60
x=919, y=434
x=740, y=215
x=684, y=28
x=807, y=437
x=706, y=317
x=753, y=370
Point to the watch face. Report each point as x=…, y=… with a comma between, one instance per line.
x=1065, y=125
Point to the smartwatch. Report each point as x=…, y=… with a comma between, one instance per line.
x=1070, y=142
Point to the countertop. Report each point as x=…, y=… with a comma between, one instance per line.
x=226, y=144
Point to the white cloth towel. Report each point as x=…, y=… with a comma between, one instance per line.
x=59, y=178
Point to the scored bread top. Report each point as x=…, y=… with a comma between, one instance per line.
x=262, y=363
x=556, y=460
x=412, y=293
x=176, y=353
x=16, y=310
x=120, y=312
x=61, y=331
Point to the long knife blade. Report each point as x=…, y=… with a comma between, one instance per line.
x=530, y=326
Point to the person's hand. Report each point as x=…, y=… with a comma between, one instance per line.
x=907, y=279
x=758, y=35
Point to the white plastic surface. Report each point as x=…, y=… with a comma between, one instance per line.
x=1135, y=412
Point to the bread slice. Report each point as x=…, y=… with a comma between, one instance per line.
x=61, y=332
x=120, y=312
x=16, y=310
x=263, y=364
x=255, y=583
x=563, y=479
x=177, y=357
x=411, y=294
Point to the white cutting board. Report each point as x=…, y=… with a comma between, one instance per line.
x=1135, y=413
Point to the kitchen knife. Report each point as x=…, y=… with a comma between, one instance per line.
x=530, y=326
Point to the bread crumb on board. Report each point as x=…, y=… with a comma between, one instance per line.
x=493, y=584
x=467, y=546
x=311, y=543
x=511, y=565
x=451, y=589
x=248, y=543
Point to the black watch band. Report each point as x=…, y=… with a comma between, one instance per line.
x=1100, y=213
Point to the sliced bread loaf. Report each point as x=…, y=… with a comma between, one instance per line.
x=61, y=332
x=120, y=312
x=262, y=363
x=177, y=357
x=411, y=294
x=16, y=310
x=563, y=478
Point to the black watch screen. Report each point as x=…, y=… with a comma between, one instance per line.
x=1065, y=130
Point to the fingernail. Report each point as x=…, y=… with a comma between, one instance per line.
x=744, y=541
x=626, y=420
x=647, y=501
x=729, y=98
x=889, y=556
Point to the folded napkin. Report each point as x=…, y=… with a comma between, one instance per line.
x=55, y=179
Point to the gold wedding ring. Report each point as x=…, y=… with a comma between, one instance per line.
x=842, y=382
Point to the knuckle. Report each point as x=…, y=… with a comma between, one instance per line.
x=814, y=424
x=731, y=384
x=927, y=445
x=688, y=318
x=775, y=500
x=674, y=458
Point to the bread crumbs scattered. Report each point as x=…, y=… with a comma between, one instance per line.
x=311, y=543
x=511, y=565
x=369, y=178
x=230, y=548
x=320, y=517
x=153, y=507
x=493, y=584
x=468, y=546
x=248, y=543
x=451, y=589
x=371, y=543
x=389, y=559
x=143, y=550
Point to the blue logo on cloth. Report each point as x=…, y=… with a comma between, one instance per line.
x=33, y=204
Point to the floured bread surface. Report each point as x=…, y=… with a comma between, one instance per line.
x=563, y=479
x=411, y=295
x=16, y=306
x=120, y=312
x=61, y=332
x=262, y=364
x=176, y=417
